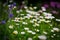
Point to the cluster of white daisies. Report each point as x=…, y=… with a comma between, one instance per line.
x=33, y=19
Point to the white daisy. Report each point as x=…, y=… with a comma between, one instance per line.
x=29, y=38
x=43, y=8
x=11, y=26
x=15, y=32
x=21, y=10
x=34, y=20
x=40, y=11
x=41, y=17
x=24, y=22
x=31, y=21
x=52, y=30
x=44, y=32
x=14, y=7
x=39, y=22
x=17, y=24
x=49, y=17
x=26, y=28
x=16, y=20
x=25, y=7
x=22, y=14
x=33, y=33
x=37, y=14
x=36, y=24
x=52, y=36
x=30, y=8
x=42, y=20
x=35, y=7
x=22, y=32
x=18, y=11
x=56, y=29
x=42, y=37
x=37, y=30
x=58, y=20
x=9, y=5
x=29, y=31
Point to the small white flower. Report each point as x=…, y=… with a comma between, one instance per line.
x=16, y=20
x=43, y=8
x=37, y=14
x=31, y=21
x=58, y=20
x=34, y=20
x=11, y=1
x=36, y=24
x=21, y=10
x=28, y=11
x=29, y=31
x=56, y=29
x=49, y=17
x=28, y=14
x=22, y=32
x=21, y=18
x=45, y=32
x=22, y=14
x=25, y=7
x=27, y=17
x=47, y=14
x=39, y=21
x=14, y=7
x=37, y=30
x=30, y=8
x=52, y=30
x=26, y=28
x=51, y=25
x=29, y=38
x=17, y=24
x=31, y=16
x=11, y=26
x=18, y=11
x=31, y=12
x=42, y=37
x=42, y=20
x=24, y=23
x=35, y=7
x=41, y=17
x=33, y=33
x=54, y=34
x=9, y=5
x=15, y=32
x=40, y=11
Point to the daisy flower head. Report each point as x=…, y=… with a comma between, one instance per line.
x=15, y=32
x=42, y=37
